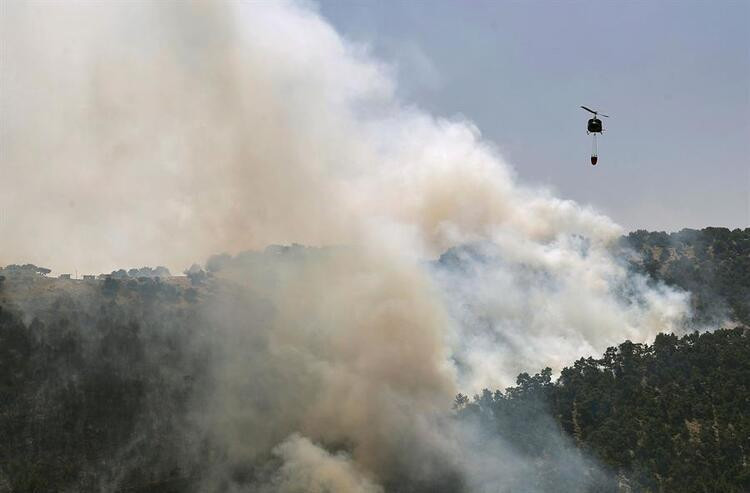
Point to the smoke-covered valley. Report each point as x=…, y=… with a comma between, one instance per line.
x=165, y=133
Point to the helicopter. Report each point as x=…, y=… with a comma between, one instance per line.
x=594, y=127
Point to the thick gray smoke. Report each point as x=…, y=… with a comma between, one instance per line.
x=148, y=133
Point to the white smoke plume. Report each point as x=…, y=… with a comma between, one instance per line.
x=308, y=468
x=156, y=133
x=149, y=133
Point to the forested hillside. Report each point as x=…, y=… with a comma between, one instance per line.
x=91, y=396
x=712, y=263
x=672, y=416
x=105, y=384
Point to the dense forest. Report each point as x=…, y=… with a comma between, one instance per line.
x=81, y=377
x=101, y=383
x=712, y=263
x=671, y=416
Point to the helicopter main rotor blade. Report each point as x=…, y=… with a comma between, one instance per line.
x=589, y=110
x=602, y=114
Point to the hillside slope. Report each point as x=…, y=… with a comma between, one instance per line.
x=104, y=383
x=673, y=416
x=712, y=263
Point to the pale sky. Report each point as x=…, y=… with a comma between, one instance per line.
x=674, y=76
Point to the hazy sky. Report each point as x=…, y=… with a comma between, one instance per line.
x=674, y=76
